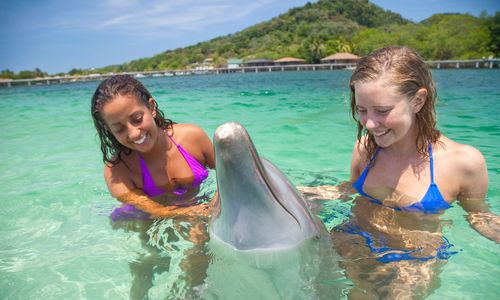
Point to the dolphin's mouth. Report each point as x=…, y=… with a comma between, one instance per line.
x=265, y=177
x=258, y=208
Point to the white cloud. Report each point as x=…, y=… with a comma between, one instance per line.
x=120, y=3
x=178, y=14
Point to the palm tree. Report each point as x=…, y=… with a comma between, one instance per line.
x=317, y=50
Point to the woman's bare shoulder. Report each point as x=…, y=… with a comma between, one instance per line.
x=194, y=139
x=359, y=152
x=359, y=158
x=461, y=155
x=188, y=132
x=119, y=177
x=467, y=168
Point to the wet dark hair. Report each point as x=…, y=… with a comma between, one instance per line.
x=407, y=71
x=108, y=89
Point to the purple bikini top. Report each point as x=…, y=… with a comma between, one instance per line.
x=199, y=174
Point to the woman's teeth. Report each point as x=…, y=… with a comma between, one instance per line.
x=380, y=133
x=141, y=140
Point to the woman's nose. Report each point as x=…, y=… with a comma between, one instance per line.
x=370, y=122
x=134, y=133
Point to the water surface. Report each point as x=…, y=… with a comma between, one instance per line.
x=56, y=239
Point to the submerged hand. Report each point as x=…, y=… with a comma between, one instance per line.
x=197, y=210
x=486, y=224
x=320, y=192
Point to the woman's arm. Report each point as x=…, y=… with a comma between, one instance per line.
x=123, y=189
x=327, y=192
x=207, y=148
x=357, y=158
x=473, y=189
x=140, y=200
x=486, y=223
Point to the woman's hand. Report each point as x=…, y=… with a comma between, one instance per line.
x=157, y=210
x=327, y=192
x=487, y=224
x=198, y=210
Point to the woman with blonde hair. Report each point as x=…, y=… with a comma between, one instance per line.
x=407, y=173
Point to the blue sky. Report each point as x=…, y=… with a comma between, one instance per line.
x=58, y=35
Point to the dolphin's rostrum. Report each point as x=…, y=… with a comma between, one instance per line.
x=258, y=207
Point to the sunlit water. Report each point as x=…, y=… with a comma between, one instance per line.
x=56, y=240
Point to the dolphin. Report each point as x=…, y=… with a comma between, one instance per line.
x=257, y=206
x=265, y=243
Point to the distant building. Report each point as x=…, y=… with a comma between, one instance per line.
x=289, y=61
x=341, y=57
x=234, y=63
x=207, y=64
x=259, y=62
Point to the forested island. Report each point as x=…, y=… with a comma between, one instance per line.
x=319, y=29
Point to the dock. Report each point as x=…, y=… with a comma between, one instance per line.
x=489, y=63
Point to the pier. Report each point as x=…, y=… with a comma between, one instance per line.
x=458, y=64
x=489, y=63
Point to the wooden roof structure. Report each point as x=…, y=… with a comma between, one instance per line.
x=290, y=60
x=341, y=56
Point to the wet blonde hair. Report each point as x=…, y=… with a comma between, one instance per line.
x=403, y=68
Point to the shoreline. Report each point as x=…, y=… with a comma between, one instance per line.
x=436, y=64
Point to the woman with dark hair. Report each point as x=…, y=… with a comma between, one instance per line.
x=153, y=165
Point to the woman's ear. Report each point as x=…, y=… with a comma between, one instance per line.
x=152, y=107
x=419, y=99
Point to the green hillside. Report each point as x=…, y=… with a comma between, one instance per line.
x=441, y=37
x=309, y=32
x=330, y=26
x=326, y=27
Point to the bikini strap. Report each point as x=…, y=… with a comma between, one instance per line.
x=173, y=141
x=148, y=183
x=373, y=158
x=199, y=171
x=144, y=168
x=358, y=184
x=431, y=159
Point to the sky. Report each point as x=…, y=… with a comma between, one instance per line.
x=59, y=35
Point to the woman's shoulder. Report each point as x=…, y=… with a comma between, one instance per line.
x=359, y=158
x=124, y=168
x=463, y=156
x=359, y=151
x=194, y=140
x=120, y=177
x=186, y=131
x=465, y=167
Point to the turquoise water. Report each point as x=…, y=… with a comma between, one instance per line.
x=56, y=241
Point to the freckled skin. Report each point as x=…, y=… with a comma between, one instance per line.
x=392, y=92
x=385, y=113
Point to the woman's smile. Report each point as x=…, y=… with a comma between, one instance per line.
x=141, y=139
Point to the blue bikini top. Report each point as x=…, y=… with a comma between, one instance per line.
x=433, y=202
